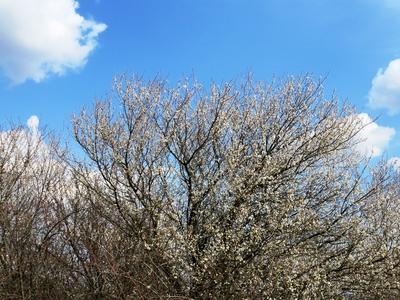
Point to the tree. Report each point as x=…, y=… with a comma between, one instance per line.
x=31, y=183
x=249, y=191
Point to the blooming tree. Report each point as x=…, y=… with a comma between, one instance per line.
x=242, y=191
x=249, y=191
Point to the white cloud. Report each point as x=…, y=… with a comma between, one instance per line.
x=43, y=37
x=395, y=163
x=373, y=138
x=19, y=141
x=33, y=123
x=385, y=90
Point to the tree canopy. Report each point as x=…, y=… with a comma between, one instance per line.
x=237, y=191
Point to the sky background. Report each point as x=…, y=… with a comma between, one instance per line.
x=57, y=56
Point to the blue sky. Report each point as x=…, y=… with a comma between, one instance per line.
x=56, y=57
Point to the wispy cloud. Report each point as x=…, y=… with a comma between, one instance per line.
x=392, y=4
x=43, y=37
